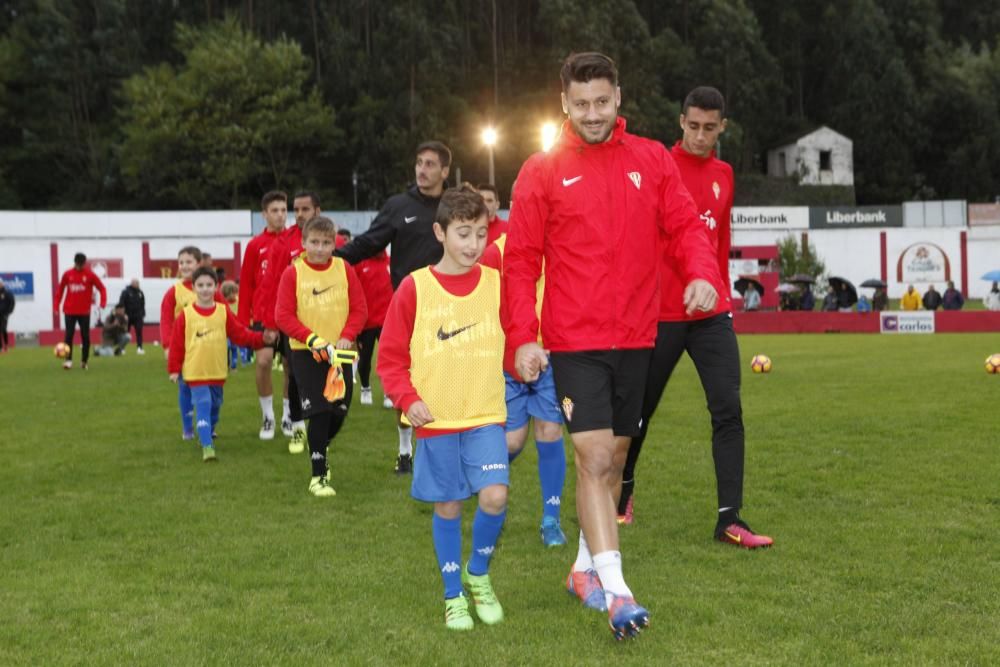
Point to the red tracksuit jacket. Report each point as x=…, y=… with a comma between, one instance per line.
x=374, y=276
x=252, y=274
x=78, y=286
x=595, y=212
x=283, y=250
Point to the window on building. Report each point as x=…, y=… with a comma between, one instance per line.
x=781, y=164
x=824, y=161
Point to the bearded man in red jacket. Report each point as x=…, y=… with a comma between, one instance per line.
x=708, y=337
x=593, y=208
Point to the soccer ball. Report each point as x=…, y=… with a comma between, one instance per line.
x=993, y=364
x=761, y=363
x=61, y=350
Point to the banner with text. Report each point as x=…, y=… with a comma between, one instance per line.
x=984, y=214
x=855, y=217
x=748, y=218
x=19, y=283
x=906, y=322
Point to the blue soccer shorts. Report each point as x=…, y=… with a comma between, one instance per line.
x=457, y=465
x=532, y=399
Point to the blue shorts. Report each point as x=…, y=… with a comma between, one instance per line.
x=532, y=399
x=454, y=466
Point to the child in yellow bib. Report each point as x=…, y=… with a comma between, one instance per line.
x=441, y=362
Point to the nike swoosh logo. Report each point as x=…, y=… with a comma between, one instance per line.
x=734, y=538
x=443, y=335
x=318, y=292
x=199, y=334
x=570, y=181
x=408, y=220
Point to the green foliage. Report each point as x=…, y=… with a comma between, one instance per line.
x=799, y=258
x=238, y=116
x=760, y=190
x=121, y=547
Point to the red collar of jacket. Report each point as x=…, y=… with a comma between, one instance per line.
x=570, y=139
x=680, y=154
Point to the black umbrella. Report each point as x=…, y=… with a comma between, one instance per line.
x=744, y=282
x=874, y=282
x=836, y=284
x=801, y=278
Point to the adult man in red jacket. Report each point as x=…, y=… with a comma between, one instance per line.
x=708, y=337
x=253, y=302
x=78, y=284
x=593, y=208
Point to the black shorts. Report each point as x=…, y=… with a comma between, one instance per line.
x=311, y=378
x=601, y=389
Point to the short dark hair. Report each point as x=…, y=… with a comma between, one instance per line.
x=191, y=250
x=346, y=233
x=443, y=152
x=319, y=225
x=463, y=203
x=79, y=259
x=272, y=196
x=204, y=271
x=489, y=186
x=585, y=67
x=707, y=98
x=307, y=193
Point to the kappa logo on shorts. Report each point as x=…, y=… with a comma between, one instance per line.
x=636, y=179
x=567, y=408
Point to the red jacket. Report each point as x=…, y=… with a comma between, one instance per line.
x=710, y=182
x=496, y=229
x=235, y=331
x=283, y=250
x=169, y=305
x=286, y=307
x=374, y=276
x=251, y=275
x=594, y=212
x=79, y=286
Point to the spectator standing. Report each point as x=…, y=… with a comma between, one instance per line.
x=808, y=300
x=952, y=299
x=910, y=300
x=880, y=300
x=6, y=308
x=830, y=300
x=992, y=300
x=932, y=299
x=864, y=305
x=134, y=302
x=844, y=299
x=751, y=299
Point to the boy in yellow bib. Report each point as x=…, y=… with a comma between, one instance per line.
x=441, y=362
x=198, y=351
x=320, y=306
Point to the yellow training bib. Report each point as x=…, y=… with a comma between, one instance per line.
x=204, y=345
x=322, y=302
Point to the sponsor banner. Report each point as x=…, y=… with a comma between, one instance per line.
x=984, y=214
x=855, y=217
x=20, y=284
x=106, y=268
x=906, y=322
x=923, y=262
x=769, y=217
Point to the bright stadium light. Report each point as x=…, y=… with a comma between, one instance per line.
x=490, y=139
x=549, y=131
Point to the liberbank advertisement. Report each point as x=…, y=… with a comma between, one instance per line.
x=855, y=217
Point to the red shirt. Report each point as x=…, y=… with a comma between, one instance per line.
x=496, y=229
x=710, y=182
x=283, y=250
x=374, y=276
x=251, y=275
x=169, y=305
x=594, y=212
x=236, y=331
x=286, y=308
x=78, y=285
x=393, y=366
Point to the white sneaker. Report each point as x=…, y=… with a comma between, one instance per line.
x=387, y=403
x=286, y=426
x=267, y=429
x=139, y=350
x=67, y=365
x=366, y=396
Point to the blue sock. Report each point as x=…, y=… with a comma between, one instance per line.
x=485, y=533
x=448, y=547
x=185, y=404
x=551, y=475
x=203, y=409
x=216, y=393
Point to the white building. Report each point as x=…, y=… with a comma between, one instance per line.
x=821, y=157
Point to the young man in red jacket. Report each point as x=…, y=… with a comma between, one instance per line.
x=600, y=307
x=497, y=225
x=708, y=337
x=274, y=208
x=78, y=284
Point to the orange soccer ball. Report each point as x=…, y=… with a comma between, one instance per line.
x=61, y=350
x=993, y=364
x=761, y=363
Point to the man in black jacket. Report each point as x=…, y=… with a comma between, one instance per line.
x=134, y=302
x=932, y=299
x=407, y=222
x=6, y=308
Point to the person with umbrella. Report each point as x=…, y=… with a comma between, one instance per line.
x=830, y=300
x=910, y=300
x=992, y=300
x=879, y=300
x=807, y=300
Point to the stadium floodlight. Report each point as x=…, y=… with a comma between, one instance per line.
x=549, y=131
x=490, y=139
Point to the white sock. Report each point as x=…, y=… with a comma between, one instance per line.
x=405, y=440
x=285, y=410
x=609, y=568
x=267, y=407
x=584, y=561
x=298, y=426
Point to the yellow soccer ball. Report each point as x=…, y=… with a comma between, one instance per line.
x=993, y=364
x=761, y=363
x=61, y=350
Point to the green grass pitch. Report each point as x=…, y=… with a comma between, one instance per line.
x=872, y=460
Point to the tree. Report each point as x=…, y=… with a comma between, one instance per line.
x=234, y=119
x=799, y=259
